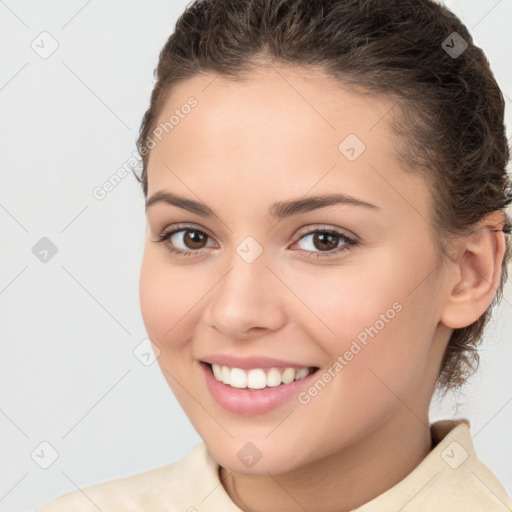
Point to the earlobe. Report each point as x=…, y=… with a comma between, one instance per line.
x=477, y=274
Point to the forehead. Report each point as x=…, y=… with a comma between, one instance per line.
x=293, y=102
x=278, y=131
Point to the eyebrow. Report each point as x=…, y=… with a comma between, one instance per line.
x=277, y=211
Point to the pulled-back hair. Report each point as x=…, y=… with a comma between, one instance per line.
x=448, y=112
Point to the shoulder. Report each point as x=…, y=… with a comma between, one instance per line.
x=174, y=484
x=450, y=478
x=463, y=480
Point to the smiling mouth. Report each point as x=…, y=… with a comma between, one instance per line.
x=258, y=378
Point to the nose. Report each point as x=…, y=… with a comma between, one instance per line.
x=247, y=301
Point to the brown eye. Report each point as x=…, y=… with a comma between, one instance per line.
x=184, y=240
x=194, y=239
x=325, y=241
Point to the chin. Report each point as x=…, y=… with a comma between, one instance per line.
x=247, y=458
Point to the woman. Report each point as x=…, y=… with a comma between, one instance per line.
x=326, y=200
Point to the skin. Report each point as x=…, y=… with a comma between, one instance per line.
x=275, y=137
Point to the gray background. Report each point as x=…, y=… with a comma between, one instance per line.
x=69, y=325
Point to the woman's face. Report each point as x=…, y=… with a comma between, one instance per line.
x=264, y=280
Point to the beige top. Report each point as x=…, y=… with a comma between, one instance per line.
x=449, y=479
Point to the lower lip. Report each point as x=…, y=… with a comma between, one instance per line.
x=259, y=401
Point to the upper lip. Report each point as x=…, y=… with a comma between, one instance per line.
x=248, y=363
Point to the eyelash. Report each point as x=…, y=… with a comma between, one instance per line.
x=350, y=243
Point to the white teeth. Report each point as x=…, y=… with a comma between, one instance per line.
x=217, y=371
x=273, y=377
x=257, y=378
x=288, y=375
x=303, y=372
x=238, y=378
x=226, y=373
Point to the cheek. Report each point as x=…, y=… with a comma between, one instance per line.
x=379, y=352
x=376, y=324
x=347, y=303
x=167, y=297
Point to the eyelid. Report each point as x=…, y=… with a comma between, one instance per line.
x=325, y=227
x=183, y=226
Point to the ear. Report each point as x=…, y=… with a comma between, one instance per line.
x=474, y=273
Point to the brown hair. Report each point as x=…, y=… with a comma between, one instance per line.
x=449, y=119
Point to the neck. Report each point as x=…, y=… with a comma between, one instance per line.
x=342, y=481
